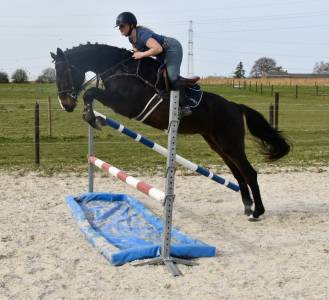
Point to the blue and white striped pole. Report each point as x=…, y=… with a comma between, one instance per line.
x=163, y=151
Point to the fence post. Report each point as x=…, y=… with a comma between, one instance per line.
x=261, y=88
x=256, y=88
x=276, y=111
x=272, y=89
x=49, y=117
x=37, y=133
x=296, y=91
x=271, y=114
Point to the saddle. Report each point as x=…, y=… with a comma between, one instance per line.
x=182, y=82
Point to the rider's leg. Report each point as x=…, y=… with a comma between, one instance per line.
x=173, y=59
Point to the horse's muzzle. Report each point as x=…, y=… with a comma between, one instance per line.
x=67, y=103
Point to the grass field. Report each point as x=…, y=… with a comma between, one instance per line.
x=288, y=82
x=305, y=121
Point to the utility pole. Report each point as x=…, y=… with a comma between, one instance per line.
x=190, y=52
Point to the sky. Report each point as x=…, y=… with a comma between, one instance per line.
x=292, y=32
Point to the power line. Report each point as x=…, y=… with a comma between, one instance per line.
x=263, y=18
x=325, y=26
x=185, y=10
x=258, y=53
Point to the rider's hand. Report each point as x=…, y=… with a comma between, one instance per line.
x=138, y=55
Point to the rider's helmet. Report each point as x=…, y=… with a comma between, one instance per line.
x=126, y=18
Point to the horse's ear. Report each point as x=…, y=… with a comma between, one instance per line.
x=60, y=53
x=53, y=56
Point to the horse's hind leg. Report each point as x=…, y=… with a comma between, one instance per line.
x=245, y=194
x=244, y=190
x=238, y=157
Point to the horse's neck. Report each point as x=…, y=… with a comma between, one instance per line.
x=97, y=59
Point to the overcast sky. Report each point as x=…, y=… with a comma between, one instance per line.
x=293, y=32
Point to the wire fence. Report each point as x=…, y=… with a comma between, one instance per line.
x=68, y=134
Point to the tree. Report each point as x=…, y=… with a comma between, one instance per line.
x=264, y=65
x=4, y=77
x=19, y=76
x=48, y=76
x=321, y=68
x=239, y=71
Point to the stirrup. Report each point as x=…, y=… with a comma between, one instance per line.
x=185, y=111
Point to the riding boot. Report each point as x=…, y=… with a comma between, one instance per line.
x=184, y=108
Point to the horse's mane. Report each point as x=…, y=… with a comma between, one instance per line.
x=102, y=55
x=82, y=48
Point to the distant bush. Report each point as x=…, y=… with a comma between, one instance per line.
x=4, y=77
x=19, y=76
x=48, y=76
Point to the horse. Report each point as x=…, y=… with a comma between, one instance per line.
x=129, y=85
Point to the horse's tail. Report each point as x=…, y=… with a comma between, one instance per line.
x=274, y=145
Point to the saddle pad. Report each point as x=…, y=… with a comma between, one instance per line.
x=123, y=230
x=193, y=95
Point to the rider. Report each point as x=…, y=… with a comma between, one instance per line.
x=147, y=43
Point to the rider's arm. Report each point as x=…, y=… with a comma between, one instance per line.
x=154, y=49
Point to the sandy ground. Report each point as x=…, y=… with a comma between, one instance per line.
x=43, y=255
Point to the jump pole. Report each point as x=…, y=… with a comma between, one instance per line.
x=164, y=152
x=142, y=186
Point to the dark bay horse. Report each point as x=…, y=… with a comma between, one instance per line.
x=130, y=84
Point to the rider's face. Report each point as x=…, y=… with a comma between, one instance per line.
x=124, y=29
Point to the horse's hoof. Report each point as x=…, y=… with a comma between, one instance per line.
x=98, y=124
x=251, y=218
x=248, y=211
x=255, y=215
x=101, y=121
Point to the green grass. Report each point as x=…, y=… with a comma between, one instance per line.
x=305, y=121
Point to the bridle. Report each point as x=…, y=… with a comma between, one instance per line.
x=74, y=92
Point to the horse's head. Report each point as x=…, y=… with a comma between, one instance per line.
x=69, y=81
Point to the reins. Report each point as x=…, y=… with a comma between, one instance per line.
x=107, y=74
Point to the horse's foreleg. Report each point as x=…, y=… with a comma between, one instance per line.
x=88, y=112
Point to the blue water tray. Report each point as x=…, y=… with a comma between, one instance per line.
x=122, y=229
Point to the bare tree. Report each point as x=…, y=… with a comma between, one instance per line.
x=321, y=68
x=19, y=76
x=264, y=65
x=48, y=76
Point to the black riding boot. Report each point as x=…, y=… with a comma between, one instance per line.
x=184, y=109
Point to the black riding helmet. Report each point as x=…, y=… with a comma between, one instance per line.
x=126, y=18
